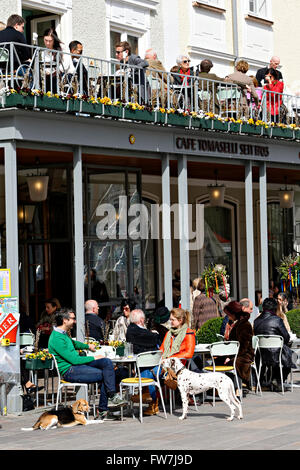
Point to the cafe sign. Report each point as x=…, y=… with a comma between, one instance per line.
x=220, y=147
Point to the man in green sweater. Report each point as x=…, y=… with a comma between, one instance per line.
x=82, y=369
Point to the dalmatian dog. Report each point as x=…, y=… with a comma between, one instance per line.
x=189, y=382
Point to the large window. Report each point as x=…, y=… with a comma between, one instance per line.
x=117, y=36
x=2, y=219
x=45, y=240
x=117, y=265
x=220, y=244
x=280, y=236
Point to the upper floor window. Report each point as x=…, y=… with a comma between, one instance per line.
x=212, y=3
x=260, y=8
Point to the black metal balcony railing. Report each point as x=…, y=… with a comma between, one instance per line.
x=62, y=74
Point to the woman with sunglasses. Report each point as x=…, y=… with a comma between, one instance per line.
x=122, y=323
x=182, y=71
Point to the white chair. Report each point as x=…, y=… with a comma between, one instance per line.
x=224, y=349
x=146, y=360
x=220, y=337
x=274, y=342
x=64, y=384
x=255, y=342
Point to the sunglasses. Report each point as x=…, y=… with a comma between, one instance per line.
x=186, y=61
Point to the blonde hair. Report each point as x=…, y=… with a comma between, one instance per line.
x=181, y=315
x=196, y=282
x=242, y=66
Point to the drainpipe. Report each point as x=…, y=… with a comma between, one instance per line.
x=235, y=30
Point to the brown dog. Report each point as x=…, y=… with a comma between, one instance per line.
x=64, y=417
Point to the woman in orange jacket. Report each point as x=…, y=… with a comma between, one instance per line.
x=180, y=342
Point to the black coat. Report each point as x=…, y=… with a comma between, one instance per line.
x=260, y=75
x=23, y=53
x=95, y=326
x=269, y=323
x=143, y=340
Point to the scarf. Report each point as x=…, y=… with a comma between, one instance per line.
x=185, y=74
x=179, y=335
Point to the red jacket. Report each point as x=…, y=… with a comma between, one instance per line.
x=187, y=346
x=274, y=100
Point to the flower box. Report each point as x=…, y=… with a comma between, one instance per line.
x=220, y=125
x=235, y=127
x=251, y=129
x=37, y=364
x=120, y=350
x=281, y=132
x=18, y=100
x=139, y=115
x=195, y=122
x=51, y=103
x=206, y=123
x=178, y=120
x=111, y=111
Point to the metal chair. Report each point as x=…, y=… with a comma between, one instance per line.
x=255, y=342
x=144, y=360
x=274, y=342
x=63, y=384
x=224, y=349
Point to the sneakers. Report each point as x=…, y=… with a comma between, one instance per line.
x=115, y=401
x=101, y=415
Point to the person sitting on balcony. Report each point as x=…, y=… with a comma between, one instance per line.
x=183, y=70
x=125, y=56
x=53, y=64
x=261, y=73
x=156, y=73
x=212, y=87
x=76, y=48
x=274, y=88
x=14, y=32
x=245, y=82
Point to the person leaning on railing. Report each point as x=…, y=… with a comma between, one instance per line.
x=273, y=87
x=53, y=63
x=125, y=56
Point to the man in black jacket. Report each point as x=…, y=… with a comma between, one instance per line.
x=268, y=323
x=143, y=340
x=14, y=33
x=261, y=73
x=95, y=326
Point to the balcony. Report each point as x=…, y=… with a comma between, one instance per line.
x=97, y=88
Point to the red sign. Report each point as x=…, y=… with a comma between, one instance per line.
x=8, y=324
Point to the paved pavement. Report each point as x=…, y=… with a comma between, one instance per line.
x=271, y=422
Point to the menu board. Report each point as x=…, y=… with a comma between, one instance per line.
x=5, y=284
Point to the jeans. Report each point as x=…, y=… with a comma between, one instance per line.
x=99, y=371
x=151, y=374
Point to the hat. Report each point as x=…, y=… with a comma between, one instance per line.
x=162, y=315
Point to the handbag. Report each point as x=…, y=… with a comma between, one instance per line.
x=170, y=380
